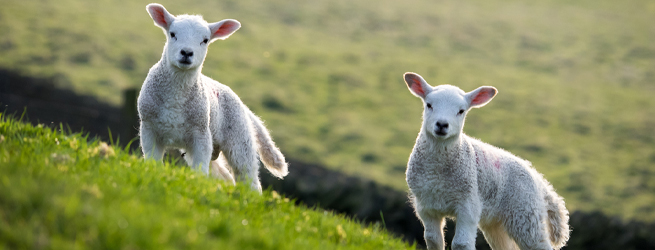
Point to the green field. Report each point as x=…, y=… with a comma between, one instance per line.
x=575, y=79
x=60, y=192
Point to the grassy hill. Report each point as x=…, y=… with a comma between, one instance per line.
x=575, y=79
x=60, y=192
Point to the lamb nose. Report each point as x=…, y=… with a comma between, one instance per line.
x=442, y=125
x=185, y=53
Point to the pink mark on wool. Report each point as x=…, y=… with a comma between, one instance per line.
x=496, y=163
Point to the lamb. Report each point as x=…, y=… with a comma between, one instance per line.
x=452, y=175
x=181, y=108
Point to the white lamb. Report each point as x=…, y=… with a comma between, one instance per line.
x=453, y=175
x=179, y=107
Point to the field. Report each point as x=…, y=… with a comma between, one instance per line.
x=60, y=192
x=575, y=79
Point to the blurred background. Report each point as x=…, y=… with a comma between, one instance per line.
x=576, y=79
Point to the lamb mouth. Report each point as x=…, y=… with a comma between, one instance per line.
x=185, y=62
x=440, y=133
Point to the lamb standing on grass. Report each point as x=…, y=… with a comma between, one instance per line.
x=179, y=107
x=453, y=175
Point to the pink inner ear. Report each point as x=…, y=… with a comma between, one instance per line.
x=416, y=86
x=225, y=29
x=160, y=17
x=483, y=96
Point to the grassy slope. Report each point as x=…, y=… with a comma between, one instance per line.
x=60, y=192
x=575, y=79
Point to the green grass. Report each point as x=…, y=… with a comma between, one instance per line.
x=575, y=79
x=61, y=192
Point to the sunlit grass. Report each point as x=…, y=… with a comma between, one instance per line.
x=61, y=192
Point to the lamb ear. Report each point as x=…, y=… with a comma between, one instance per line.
x=480, y=96
x=223, y=29
x=417, y=85
x=159, y=14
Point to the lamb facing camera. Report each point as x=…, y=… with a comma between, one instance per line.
x=452, y=175
x=181, y=108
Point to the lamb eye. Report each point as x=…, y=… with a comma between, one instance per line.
x=205, y=41
x=429, y=106
x=461, y=111
x=173, y=34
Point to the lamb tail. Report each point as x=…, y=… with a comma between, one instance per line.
x=558, y=219
x=269, y=154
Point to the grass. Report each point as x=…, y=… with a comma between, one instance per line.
x=61, y=192
x=575, y=79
